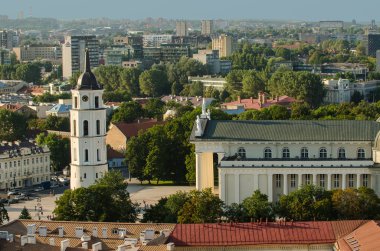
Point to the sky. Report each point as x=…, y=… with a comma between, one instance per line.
x=307, y=10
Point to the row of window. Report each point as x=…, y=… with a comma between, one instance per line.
x=34, y=180
x=304, y=153
x=26, y=162
x=18, y=174
x=86, y=155
x=96, y=102
x=322, y=180
x=85, y=127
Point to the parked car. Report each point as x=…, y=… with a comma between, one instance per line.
x=14, y=192
x=3, y=201
x=13, y=201
x=54, y=185
x=38, y=189
x=20, y=197
x=63, y=179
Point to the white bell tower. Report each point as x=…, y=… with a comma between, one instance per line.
x=88, y=131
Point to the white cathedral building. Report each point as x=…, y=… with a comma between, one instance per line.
x=88, y=131
x=277, y=157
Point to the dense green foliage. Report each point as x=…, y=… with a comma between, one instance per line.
x=128, y=112
x=107, y=200
x=49, y=98
x=12, y=125
x=305, y=204
x=59, y=149
x=25, y=215
x=52, y=122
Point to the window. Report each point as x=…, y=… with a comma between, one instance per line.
x=10, y=164
x=323, y=153
x=98, y=127
x=361, y=153
x=241, y=152
x=322, y=180
x=278, y=180
x=96, y=102
x=85, y=128
x=96, y=175
x=18, y=163
x=341, y=153
x=307, y=179
x=97, y=155
x=292, y=180
x=75, y=127
x=351, y=180
x=336, y=180
x=304, y=153
x=86, y=155
x=285, y=153
x=76, y=102
x=365, y=180
x=267, y=153
x=84, y=175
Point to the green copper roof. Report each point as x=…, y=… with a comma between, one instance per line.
x=288, y=130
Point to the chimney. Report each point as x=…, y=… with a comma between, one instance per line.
x=239, y=99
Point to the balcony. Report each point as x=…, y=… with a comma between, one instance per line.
x=294, y=162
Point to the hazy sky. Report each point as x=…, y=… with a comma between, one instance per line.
x=314, y=10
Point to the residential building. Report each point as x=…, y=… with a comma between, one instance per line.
x=211, y=59
x=131, y=64
x=88, y=130
x=119, y=133
x=207, y=27
x=23, y=164
x=209, y=81
x=34, y=235
x=173, y=52
x=155, y=40
x=116, y=55
x=5, y=57
x=225, y=44
x=181, y=28
x=200, y=42
x=41, y=109
x=11, y=86
x=153, y=54
x=8, y=39
x=373, y=44
x=128, y=40
x=193, y=101
x=20, y=109
x=346, y=235
x=116, y=161
x=34, y=52
x=277, y=157
x=73, y=51
x=341, y=91
x=263, y=101
x=60, y=110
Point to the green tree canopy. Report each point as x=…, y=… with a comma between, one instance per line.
x=30, y=73
x=257, y=206
x=128, y=112
x=12, y=125
x=59, y=149
x=154, y=83
x=25, y=215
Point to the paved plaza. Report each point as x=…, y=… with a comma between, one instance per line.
x=142, y=194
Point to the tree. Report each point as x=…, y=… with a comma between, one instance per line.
x=56, y=123
x=176, y=88
x=159, y=213
x=154, y=83
x=12, y=125
x=30, y=73
x=196, y=89
x=307, y=203
x=356, y=97
x=128, y=112
x=130, y=80
x=154, y=108
x=74, y=78
x=236, y=213
x=252, y=84
x=116, y=96
x=25, y=215
x=202, y=207
x=257, y=206
x=346, y=203
x=107, y=200
x=59, y=149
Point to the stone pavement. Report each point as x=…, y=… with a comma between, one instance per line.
x=142, y=194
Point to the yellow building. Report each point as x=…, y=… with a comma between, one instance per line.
x=224, y=44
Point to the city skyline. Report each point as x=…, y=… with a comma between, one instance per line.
x=196, y=9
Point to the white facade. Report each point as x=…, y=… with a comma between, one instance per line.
x=88, y=138
x=278, y=167
x=23, y=164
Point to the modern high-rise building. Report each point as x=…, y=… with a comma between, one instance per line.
x=207, y=27
x=88, y=130
x=181, y=28
x=373, y=44
x=8, y=39
x=224, y=44
x=73, y=54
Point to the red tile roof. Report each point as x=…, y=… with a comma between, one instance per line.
x=226, y=234
x=367, y=237
x=12, y=107
x=113, y=154
x=253, y=104
x=132, y=129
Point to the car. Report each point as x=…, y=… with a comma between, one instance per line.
x=20, y=197
x=54, y=185
x=3, y=201
x=63, y=179
x=38, y=189
x=13, y=201
x=13, y=192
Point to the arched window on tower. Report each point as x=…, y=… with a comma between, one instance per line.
x=97, y=154
x=96, y=102
x=241, y=152
x=85, y=128
x=86, y=155
x=98, y=127
x=75, y=127
x=75, y=102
